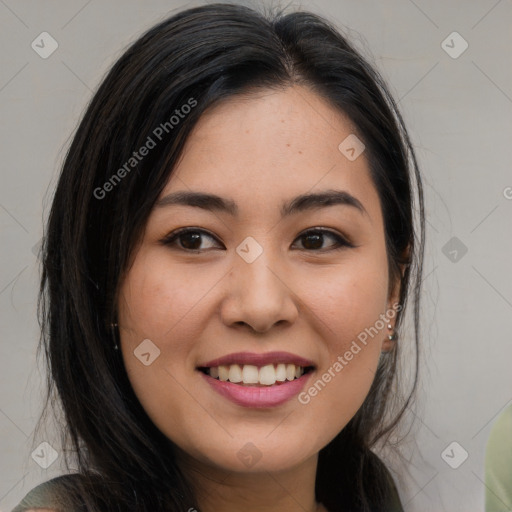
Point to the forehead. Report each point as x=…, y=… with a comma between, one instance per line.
x=270, y=145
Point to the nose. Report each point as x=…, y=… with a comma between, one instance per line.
x=259, y=295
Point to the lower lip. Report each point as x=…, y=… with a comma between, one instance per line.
x=258, y=396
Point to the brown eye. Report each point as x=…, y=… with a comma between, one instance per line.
x=314, y=240
x=190, y=240
x=187, y=239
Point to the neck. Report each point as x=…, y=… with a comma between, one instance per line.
x=267, y=491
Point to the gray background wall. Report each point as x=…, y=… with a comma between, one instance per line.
x=459, y=113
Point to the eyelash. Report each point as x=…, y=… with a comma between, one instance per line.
x=170, y=240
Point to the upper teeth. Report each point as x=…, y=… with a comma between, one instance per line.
x=250, y=374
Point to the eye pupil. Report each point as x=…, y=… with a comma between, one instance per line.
x=317, y=238
x=195, y=237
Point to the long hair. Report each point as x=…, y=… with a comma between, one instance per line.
x=199, y=57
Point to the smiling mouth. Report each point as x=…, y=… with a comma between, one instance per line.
x=256, y=376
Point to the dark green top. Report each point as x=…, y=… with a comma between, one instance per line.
x=52, y=495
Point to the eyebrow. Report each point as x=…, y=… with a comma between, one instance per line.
x=301, y=203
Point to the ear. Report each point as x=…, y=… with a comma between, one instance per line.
x=395, y=289
x=391, y=312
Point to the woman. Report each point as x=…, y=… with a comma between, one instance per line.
x=227, y=261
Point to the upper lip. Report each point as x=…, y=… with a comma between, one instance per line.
x=242, y=358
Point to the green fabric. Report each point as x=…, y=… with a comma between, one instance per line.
x=395, y=505
x=498, y=465
x=50, y=494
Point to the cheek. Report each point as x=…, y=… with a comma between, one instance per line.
x=157, y=296
x=157, y=304
x=348, y=302
x=348, y=306
x=352, y=349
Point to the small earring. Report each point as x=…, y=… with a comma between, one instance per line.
x=114, y=327
x=393, y=336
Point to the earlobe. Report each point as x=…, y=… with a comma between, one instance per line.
x=387, y=346
x=389, y=342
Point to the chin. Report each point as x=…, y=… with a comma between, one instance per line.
x=254, y=454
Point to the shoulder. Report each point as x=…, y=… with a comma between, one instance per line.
x=503, y=425
x=499, y=444
x=498, y=461
x=48, y=496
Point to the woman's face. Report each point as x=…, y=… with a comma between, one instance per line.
x=259, y=273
